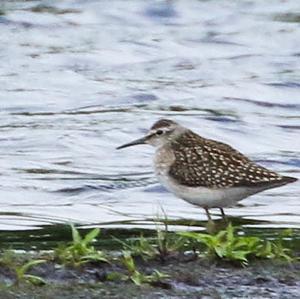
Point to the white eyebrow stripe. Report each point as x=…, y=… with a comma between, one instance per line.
x=159, y=129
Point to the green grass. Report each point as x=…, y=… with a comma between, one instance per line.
x=80, y=250
x=228, y=245
x=23, y=276
x=136, y=276
x=20, y=266
x=162, y=245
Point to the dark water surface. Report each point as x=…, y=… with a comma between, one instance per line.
x=79, y=78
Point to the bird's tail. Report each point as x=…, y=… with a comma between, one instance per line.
x=288, y=179
x=278, y=183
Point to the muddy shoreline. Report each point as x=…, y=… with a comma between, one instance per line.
x=188, y=277
x=186, y=273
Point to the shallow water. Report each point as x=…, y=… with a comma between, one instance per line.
x=79, y=78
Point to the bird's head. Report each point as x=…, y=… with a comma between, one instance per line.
x=161, y=133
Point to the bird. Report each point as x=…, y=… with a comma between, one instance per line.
x=205, y=172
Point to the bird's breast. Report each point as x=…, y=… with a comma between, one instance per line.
x=164, y=158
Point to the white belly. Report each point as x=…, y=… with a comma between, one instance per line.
x=205, y=197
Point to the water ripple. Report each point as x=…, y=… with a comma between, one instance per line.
x=80, y=78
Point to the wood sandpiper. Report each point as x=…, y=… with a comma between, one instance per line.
x=205, y=172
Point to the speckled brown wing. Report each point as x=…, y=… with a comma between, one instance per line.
x=208, y=163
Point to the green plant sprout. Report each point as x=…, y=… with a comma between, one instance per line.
x=227, y=245
x=166, y=242
x=161, y=246
x=22, y=276
x=276, y=249
x=80, y=250
x=137, y=277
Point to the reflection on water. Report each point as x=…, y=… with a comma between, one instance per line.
x=82, y=77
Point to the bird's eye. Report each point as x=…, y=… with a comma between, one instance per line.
x=159, y=132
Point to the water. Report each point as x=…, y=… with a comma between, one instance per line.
x=79, y=78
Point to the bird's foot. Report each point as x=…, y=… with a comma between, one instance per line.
x=211, y=226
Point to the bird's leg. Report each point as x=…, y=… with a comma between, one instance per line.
x=223, y=213
x=224, y=217
x=208, y=214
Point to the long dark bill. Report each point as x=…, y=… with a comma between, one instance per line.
x=135, y=142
